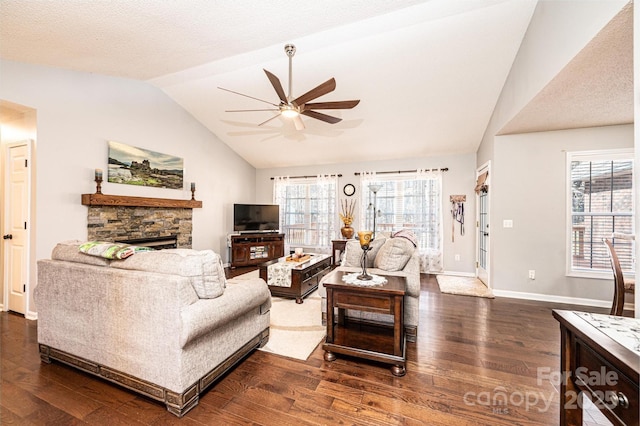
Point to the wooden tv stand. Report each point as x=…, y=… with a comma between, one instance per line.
x=254, y=249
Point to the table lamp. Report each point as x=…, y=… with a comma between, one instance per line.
x=365, y=244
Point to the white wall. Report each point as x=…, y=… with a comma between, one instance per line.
x=528, y=171
x=20, y=128
x=557, y=32
x=460, y=179
x=532, y=193
x=77, y=113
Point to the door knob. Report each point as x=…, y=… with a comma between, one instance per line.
x=7, y=237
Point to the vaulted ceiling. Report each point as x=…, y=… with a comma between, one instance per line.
x=428, y=73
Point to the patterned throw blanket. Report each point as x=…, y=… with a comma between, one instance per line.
x=110, y=250
x=279, y=274
x=405, y=233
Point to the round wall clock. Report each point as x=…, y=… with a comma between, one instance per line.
x=349, y=190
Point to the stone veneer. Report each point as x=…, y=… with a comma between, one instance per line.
x=108, y=223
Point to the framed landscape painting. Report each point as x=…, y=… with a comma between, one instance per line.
x=137, y=166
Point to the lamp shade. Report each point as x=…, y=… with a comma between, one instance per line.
x=365, y=238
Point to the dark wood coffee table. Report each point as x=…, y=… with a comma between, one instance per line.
x=376, y=342
x=305, y=276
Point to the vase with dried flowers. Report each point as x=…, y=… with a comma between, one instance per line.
x=346, y=216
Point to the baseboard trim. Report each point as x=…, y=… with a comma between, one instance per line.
x=30, y=315
x=455, y=273
x=557, y=299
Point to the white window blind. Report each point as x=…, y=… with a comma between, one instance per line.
x=601, y=203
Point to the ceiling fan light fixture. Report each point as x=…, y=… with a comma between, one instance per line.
x=292, y=107
x=289, y=112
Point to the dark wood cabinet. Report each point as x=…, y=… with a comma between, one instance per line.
x=254, y=249
x=594, y=361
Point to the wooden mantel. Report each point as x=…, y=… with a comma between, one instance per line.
x=126, y=201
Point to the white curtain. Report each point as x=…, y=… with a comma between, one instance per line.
x=308, y=211
x=280, y=184
x=280, y=189
x=328, y=219
x=411, y=201
x=431, y=256
x=366, y=200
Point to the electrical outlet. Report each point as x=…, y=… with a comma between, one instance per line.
x=532, y=274
x=457, y=257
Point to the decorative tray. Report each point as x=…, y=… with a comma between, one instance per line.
x=304, y=258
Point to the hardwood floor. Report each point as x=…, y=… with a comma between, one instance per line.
x=471, y=353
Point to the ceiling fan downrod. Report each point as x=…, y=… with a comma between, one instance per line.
x=290, y=50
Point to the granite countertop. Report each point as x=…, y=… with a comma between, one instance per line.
x=623, y=330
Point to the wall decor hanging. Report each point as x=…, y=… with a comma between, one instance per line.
x=457, y=213
x=137, y=166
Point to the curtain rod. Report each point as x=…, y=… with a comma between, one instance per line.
x=444, y=169
x=307, y=177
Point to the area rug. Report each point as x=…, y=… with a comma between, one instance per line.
x=295, y=329
x=464, y=286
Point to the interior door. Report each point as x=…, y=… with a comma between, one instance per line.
x=15, y=238
x=482, y=224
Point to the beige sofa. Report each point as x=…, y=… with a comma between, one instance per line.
x=388, y=256
x=165, y=323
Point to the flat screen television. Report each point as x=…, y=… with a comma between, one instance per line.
x=256, y=217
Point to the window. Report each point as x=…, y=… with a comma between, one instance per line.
x=410, y=201
x=307, y=211
x=600, y=201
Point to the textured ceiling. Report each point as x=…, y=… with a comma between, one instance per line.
x=594, y=89
x=428, y=72
x=143, y=39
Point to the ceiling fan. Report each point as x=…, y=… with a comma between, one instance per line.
x=293, y=108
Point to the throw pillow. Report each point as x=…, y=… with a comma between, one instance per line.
x=353, y=252
x=394, y=254
x=203, y=268
x=375, y=248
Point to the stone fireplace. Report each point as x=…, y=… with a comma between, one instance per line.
x=140, y=220
x=135, y=224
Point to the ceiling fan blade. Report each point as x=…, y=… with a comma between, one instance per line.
x=266, y=121
x=275, y=82
x=323, y=89
x=332, y=105
x=297, y=121
x=250, y=110
x=321, y=116
x=247, y=96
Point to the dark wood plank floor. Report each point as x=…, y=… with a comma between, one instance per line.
x=471, y=354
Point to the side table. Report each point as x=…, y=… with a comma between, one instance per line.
x=376, y=342
x=339, y=246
